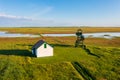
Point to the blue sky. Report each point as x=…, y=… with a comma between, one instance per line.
x=59, y=13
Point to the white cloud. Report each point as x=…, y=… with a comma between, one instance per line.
x=42, y=12
x=12, y=20
x=13, y=16
x=8, y=16
x=35, y=19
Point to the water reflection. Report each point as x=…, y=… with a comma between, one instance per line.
x=108, y=35
x=89, y=35
x=5, y=34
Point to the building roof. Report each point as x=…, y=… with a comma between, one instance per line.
x=38, y=44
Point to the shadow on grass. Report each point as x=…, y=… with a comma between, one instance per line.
x=61, y=45
x=16, y=52
x=53, y=45
x=89, y=52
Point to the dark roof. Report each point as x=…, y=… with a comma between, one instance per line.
x=39, y=43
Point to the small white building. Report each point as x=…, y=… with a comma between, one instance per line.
x=42, y=49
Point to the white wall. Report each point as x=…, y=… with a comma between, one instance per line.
x=42, y=52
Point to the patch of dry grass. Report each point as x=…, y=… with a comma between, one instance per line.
x=115, y=42
x=60, y=30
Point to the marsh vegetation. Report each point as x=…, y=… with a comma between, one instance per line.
x=68, y=62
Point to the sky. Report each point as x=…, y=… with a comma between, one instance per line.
x=18, y=13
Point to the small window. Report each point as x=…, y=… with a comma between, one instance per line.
x=45, y=45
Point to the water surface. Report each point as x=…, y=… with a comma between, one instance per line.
x=6, y=34
x=108, y=35
x=90, y=35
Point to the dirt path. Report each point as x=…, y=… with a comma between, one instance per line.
x=83, y=71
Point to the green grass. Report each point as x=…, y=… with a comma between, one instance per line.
x=17, y=63
x=106, y=67
x=13, y=70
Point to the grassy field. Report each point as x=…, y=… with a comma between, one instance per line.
x=100, y=62
x=60, y=30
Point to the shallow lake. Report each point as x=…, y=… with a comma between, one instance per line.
x=6, y=34
x=90, y=35
x=108, y=35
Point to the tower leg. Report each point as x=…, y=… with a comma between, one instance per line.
x=79, y=42
x=76, y=43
